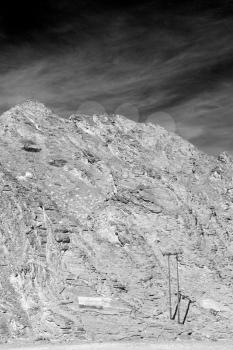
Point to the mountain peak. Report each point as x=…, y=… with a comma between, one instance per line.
x=29, y=113
x=30, y=105
x=87, y=207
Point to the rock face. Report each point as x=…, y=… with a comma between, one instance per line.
x=88, y=206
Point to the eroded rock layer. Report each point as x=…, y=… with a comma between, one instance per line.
x=88, y=207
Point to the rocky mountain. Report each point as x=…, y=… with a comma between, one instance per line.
x=88, y=206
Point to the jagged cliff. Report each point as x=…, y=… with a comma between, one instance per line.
x=88, y=205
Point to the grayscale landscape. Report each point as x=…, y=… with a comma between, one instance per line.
x=90, y=206
x=116, y=175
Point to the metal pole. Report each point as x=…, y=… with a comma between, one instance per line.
x=186, y=313
x=169, y=286
x=178, y=289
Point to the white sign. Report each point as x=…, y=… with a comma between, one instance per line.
x=94, y=302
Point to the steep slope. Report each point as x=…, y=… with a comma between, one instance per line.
x=88, y=206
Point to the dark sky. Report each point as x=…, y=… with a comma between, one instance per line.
x=164, y=61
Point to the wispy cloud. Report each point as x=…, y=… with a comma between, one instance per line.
x=181, y=66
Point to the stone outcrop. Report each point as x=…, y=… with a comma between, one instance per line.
x=88, y=206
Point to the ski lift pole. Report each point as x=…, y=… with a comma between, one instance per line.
x=178, y=289
x=169, y=286
x=175, y=253
x=168, y=254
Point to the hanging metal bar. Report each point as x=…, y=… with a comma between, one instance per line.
x=178, y=289
x=187, y=310
x=175, y=312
